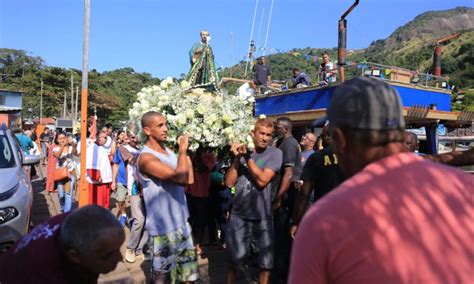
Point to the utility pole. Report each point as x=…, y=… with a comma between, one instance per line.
x=83, y=186
x=75, y=105
x=65, y=105
x=230, y=52
x=72, y=95
x=41, y=101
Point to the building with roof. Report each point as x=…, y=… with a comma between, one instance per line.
x=11, y=103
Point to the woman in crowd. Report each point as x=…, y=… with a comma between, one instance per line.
x=197, y=195
x=64, y=151
x=50, y=167
x=116, y=143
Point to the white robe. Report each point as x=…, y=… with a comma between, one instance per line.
x=98, y=159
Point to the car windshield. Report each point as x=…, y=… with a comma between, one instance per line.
x=7, y=158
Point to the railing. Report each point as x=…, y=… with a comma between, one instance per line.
x=397, y=74
x=385, y=72
x=369, y=69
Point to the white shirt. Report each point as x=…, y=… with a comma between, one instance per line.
x=98, y=159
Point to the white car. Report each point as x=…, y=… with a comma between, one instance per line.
x=16, y=192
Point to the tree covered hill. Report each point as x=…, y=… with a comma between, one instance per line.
x=410, y=46
x=427, y=27
x=112, y=92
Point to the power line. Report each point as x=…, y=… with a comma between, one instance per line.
x=251, y=36
x=268, y=27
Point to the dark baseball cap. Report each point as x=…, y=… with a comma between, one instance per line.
x=366, y=103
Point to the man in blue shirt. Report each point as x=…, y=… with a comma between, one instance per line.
x=119, y=181
x=300, y=79
x=25, y=142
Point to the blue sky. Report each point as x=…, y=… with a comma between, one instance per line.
x=155, y=36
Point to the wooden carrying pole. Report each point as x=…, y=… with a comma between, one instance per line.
x=83, y=185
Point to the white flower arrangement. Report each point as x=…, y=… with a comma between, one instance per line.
x=211, y=119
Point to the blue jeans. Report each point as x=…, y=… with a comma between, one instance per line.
x=65, y=199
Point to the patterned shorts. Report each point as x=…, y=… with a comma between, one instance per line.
x=174, y=254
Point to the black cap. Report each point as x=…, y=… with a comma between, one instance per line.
x=366, y=103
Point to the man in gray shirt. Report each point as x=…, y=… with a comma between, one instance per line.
x=250, y=227
x=283, y=203
x=263, y=75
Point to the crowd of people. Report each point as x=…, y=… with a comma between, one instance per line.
x=351, y=205
x=326, y=74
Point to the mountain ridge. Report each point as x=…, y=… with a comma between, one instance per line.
x=410, y=46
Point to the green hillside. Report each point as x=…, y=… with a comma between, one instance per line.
x=410, y=46
x=113, y=92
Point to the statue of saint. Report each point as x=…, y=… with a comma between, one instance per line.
x=203, y=72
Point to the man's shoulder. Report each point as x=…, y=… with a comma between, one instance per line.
x=124, y=149
x=316, y=160
x=37, y=238
x=130, y=149
x=272, y=151
x=102, y=150
x=289, y=142
x=315, y=156
x=327, y=151
x=146, y=150
x=196, y=45
x=262, y=67
x=150, y=153
x=269, y=157
x=443, y=171
x=292, y=140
